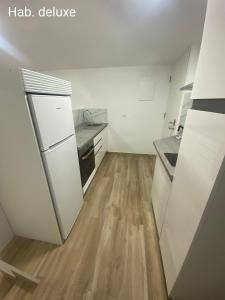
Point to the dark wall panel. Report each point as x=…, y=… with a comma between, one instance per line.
x=213, y=105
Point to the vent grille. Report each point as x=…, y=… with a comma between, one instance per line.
x=35, y=82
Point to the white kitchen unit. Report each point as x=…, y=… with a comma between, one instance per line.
x=100, y=149
x=192, y=66
x=210, y=75
x=161, y=188
x=41, y=191
x=182, y=77
x=192, y=240
x=100, y=146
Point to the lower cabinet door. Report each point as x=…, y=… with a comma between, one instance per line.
x=101, y=146
x=105, y=140
x=99, y=156
x=161, y=189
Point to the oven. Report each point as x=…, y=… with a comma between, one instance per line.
x=86, y=161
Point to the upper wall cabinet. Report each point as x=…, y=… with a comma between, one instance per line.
x=210, y=75
x=192, y=66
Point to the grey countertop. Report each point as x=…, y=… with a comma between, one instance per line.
x=85, y=133
x=171, y=145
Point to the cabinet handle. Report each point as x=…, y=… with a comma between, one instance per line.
x=98, y=150
x=98, y=142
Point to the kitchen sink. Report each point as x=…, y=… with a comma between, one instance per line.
x=172, y=158
x=94, y=124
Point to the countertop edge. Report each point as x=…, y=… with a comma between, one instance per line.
x=164, y=165
x=104, y=125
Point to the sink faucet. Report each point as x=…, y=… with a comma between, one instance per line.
x=87, y=119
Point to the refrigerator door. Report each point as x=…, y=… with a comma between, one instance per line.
x=52, y=118
x=63, y=173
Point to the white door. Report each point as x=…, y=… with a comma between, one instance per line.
x=52, y=117
x=62, y=167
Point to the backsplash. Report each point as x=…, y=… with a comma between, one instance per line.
x=90, y=115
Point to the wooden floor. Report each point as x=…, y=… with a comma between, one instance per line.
x=112, y=252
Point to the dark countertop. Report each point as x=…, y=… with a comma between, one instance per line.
x=171, y=145
x=85, y=133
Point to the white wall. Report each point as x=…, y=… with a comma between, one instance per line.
x=6, y=233
x=134, y=125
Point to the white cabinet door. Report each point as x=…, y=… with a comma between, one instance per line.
x=53, y=119
x=99, y=155
x=62, y=166
x=192, y=64
x=98, y=139
x=201, y=153
x=101, y=146
x=210, y=75
x=104, y=135
x=161, y=189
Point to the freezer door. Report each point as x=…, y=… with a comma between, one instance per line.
x=52, y=118
x=63, y=173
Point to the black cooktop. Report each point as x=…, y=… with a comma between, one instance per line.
x=172, y=158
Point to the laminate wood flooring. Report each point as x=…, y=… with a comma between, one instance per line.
x=112, y=252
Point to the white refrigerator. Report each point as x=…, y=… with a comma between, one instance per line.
x=53, y=123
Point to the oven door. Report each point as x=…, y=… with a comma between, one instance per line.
x=87, y=163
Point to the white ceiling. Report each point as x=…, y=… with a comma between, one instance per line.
x=104, y=33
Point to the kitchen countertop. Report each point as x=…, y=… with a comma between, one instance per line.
x=85, y=133
x=171, y=145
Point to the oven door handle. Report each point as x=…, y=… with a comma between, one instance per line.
x=88, y=154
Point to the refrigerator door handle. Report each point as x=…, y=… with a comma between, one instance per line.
x=58, y=144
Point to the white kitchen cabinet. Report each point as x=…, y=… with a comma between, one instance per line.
x=194, y=218
x=192, y=64
x=210, y=75
x=100, y=146
x=161, y=188
x=182, y=77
